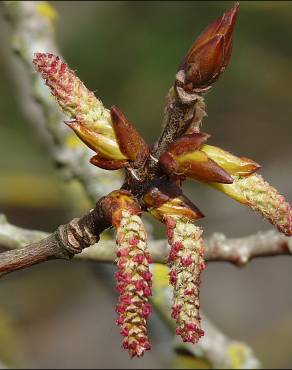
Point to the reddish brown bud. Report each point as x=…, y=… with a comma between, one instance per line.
x=209, y=55
x=198, y=166
x=188, y=143
x=107, y=164
x=185, y=144
x=131, y=144
x=117, y=202
x=183, y=158
x=154, y=198
x=166, y=199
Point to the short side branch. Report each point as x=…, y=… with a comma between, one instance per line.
x=68, y=240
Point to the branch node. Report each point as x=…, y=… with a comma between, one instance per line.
x=75, y=237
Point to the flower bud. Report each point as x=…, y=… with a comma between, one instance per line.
x=209, y=55
x=188, y=143
x=107, y=164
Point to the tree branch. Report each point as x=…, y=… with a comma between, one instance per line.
x=238, y=251
x=68, y=240
x=182, y=111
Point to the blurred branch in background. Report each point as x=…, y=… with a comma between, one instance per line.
x=215, y=347
x=33, y=30
x=219, y=350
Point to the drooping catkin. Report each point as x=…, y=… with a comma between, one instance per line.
x=186, y=263
x=133, y=284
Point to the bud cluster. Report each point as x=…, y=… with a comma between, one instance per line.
x=186, y=263
x=153, y=182
x=189, y=156
x=133, y=283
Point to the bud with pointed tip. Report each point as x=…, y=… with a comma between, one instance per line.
x=188, y=143
x=108, y=164
x=209, y=55
x=131, y=144
x=166, y=199
x=184, y=157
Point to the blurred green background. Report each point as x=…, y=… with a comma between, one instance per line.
x=61, y=314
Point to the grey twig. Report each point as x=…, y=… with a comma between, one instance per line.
x=218, y=247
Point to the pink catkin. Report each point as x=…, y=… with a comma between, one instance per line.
x=186, y=264
x=72, y=95
x=133, y=284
